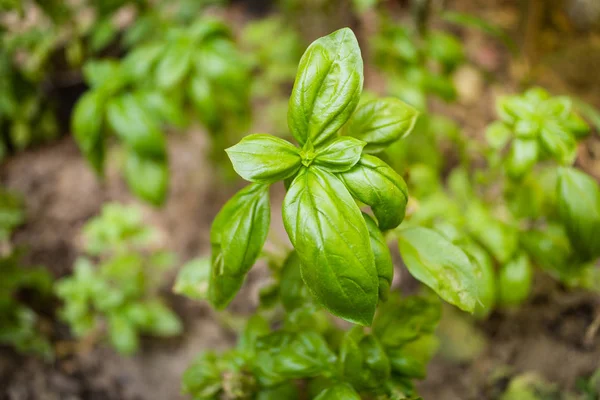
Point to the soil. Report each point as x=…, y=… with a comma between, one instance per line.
x=552, y=334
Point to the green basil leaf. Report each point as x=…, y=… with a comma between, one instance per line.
x=341, y=391
x=383, y=257
x=175, y=64
x=444, y=48
x=441, y=265
x=203, y=95
x=340, y=154
x=549, y=248
x=309, y=317
x=282, y=356
x=164, y=109
x=514, y=281
x=522, y=157
x=292, y=290
x=192, y=279
x=202, y=379
x=327, y=87
x=487, y=278
x=208, y=28
x=256, y=327
x=147, y=177
x=376, y=184
x=363, y=362
x=497, y=134
x=411, y=359
x=328, y=232
x=237, y=236
x=220, y=61
x=161, y=320
x=287, y=391
x=527, y=128
x=578, y=198
x=560, y=143
x=499, y=238
x=576, y=125
x=122, y=334
x=87, y=124
x=140, y=61
x=264, y=158
x=135, y=126
x=558, y=106
x=101, y=73
x=400, y=321
x=536, y=96
x=381, y=122
x=350, y=361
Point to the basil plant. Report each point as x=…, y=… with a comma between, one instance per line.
x=343, y=255
x=135, y=98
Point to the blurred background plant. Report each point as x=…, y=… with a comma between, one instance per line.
x=118, y=297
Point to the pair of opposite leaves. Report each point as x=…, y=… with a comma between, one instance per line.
x=343, y=269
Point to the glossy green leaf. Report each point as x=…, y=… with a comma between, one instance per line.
x=147, y=177
x=292, y=290
x=264, y=158
x=376, y=184
x=86, y=124
x=327, y=87
x=135, y=126
x=175, y=64
x=383, y=257
x=363, y=362
x=403, y=320
x=578, y=197
x=441, y=265
x=486, y=279
x=291, y=355
x=340, y=154
x=514, y=281
x=381, y=122
x=237, y=236
x=341, y=391
x=328, y=232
